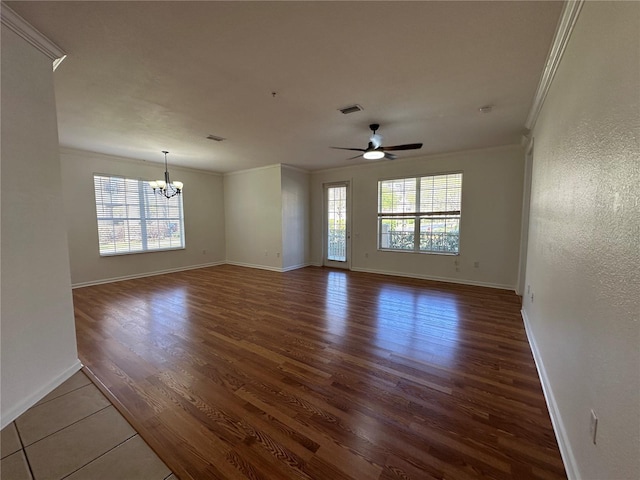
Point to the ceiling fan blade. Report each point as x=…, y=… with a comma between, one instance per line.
x=408, y=146
x=354, y=149
x=357, y=156
x=390, y=156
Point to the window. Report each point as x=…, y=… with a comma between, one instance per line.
x=420, y=214
x=133, y=219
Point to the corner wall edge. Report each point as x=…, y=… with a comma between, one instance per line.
x=567, y=21
x=25, y=30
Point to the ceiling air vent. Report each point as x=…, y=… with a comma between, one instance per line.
x=351, y=109
x=215, y=138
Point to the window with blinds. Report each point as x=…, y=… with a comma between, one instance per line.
x=420, y=214
x=133, y=219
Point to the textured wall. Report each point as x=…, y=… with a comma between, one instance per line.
x=253, y=217
x=295, y=217
x=38, y=335
x=584, y=250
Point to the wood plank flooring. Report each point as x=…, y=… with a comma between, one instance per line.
x=236, y=373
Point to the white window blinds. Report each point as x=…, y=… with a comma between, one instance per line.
x=131, y=218
x=420, y=214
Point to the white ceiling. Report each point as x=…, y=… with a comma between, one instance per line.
x=141, y=77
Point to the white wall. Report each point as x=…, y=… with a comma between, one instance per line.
x=253, y=216
x=203, y=202
x=584, y=250
x=295, y=217
x=38, y=346
x=490, y=223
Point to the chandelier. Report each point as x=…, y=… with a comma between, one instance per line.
x=165, y=187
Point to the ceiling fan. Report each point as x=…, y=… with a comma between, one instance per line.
x=375, y=150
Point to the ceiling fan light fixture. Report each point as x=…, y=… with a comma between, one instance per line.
x=373, y=155
x=375, y=150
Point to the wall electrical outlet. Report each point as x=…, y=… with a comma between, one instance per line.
x=593, y=426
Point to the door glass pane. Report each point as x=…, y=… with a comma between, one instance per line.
x=337, y=223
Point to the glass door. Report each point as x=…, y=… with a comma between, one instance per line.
x=336, y=229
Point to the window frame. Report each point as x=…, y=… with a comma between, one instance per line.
x=417, y=216
x=145, y=216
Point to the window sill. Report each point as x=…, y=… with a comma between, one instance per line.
x=446, y=254
x=141, y=251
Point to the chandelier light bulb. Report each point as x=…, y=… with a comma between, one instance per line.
x=166, y=187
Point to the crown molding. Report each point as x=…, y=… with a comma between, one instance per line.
x=22, y=28
x=294, y=168
x=567, y=21
x=91, y=155
x=249, y=170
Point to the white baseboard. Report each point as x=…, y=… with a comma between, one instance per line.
x=147, y=274
x=296, y=267
x=267, y=267
x=434, y=278
x=254, y=265
x=556, y=419
x=17, y=410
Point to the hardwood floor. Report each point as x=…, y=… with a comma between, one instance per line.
x=234, y=373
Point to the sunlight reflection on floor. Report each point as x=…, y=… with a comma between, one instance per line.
x=337, y=303
x=420, y=324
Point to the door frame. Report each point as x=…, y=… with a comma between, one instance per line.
x=325, y=228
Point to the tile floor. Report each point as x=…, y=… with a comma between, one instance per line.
x=76, y=434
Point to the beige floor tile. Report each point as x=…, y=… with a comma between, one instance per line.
x=14, y=467
x=76, y=381
x=171, y=477
x=9, y=440
x=47, y=418
x=71, y=448
x=133, y=460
